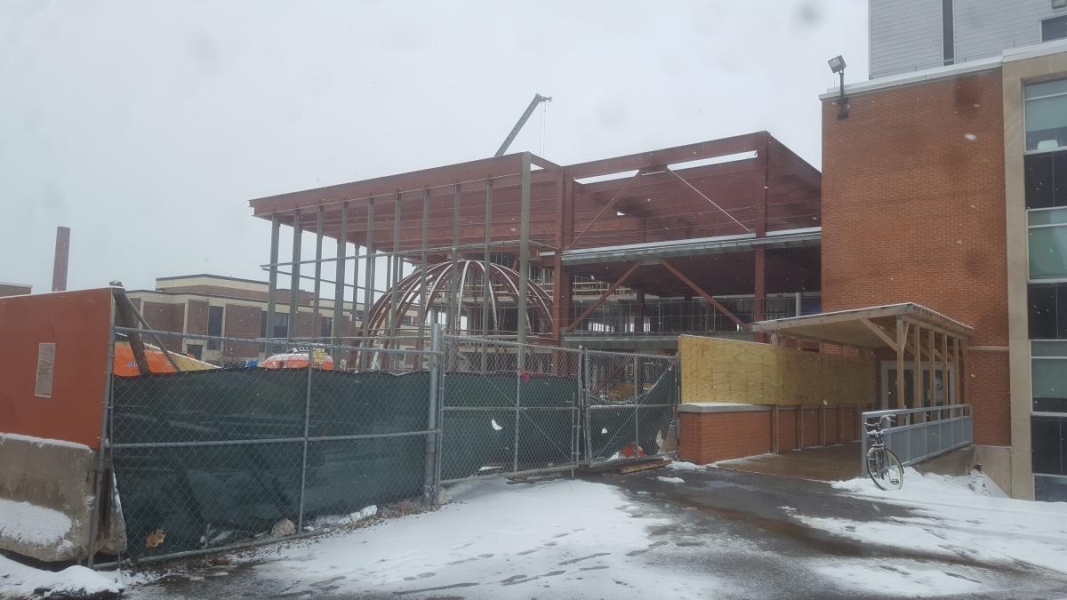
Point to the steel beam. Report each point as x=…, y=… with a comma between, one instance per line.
x=294, y=288
x=524, y=256
x=272, y=280
x=607, y=293
x=339, y=287
x=316, y=328
x=706, y=296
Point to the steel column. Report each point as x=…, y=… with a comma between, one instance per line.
x=368, y=286
x=339, y=278
x=486, y=285
x=272, y=279
x=294, y=287
x=423, y=309
x=524, y=255
x=316, y=328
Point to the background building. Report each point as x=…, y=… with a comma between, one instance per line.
x=231, y=307
x=911, y=35
x=14, y=289
x=947, y=186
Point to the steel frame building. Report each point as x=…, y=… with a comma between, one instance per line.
x=738, y=215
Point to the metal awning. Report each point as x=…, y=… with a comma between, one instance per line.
x=790, y=238
x=871, y=328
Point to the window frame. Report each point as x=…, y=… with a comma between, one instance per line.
x=1026, y=105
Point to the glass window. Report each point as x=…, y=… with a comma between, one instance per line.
x=1046, y=115
x=1047, y=311
x=1046, y=179
x=327, y=327
x=1048, y=244
x=214, y=325
x=1050, y=489
x=1047, y=441
x=1049, y=384
x=1054, y=29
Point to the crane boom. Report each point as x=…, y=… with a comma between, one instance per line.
x=537, y=99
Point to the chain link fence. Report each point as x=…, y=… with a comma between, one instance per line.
x=508, y=408
x=630, y=402
x=209, y=458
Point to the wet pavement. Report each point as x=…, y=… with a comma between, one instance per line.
x=734, y=528
x=829, y=463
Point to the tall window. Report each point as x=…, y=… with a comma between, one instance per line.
x=1046, y=115
x=327, y=328
x=214, y=326
x=1048, y=245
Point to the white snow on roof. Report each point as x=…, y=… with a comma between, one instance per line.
x=41, y=442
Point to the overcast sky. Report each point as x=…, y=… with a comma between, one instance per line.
x=146, y=126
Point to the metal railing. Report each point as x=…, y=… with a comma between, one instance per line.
x=919, y=434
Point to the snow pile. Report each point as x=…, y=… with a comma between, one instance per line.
x=33, y=525
x=42, y=442
x=670, y=479
x=959, y=516
x=919, y=486
x=343, y=520
x=20, y=581
x=681, y=465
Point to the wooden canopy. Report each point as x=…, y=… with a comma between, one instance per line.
x=934, y=342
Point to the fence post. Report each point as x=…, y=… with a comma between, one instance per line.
x=576, y=437
x=430, y=494
x=520, y=360
x=307, y=426
x=584, y=385
x=638, y=380
x=94, y=519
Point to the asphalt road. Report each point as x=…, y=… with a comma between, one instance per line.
x=733, y=526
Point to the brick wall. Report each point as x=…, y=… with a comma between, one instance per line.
x=242, y=322
x=913, y=211
x=713, y=436
x=197, y=317
x=166, y=317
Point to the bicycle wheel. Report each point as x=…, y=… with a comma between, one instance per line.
x=885, y=469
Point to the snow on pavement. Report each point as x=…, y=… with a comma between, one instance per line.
x=18, y=581
x=965, y=516
x=500, y=540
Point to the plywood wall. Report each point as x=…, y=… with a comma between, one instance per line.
x=720, y=370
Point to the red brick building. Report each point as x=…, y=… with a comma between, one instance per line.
x=929, y=182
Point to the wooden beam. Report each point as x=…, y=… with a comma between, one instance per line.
x=902, y=341
x=611, y=290
x=707, y=297
x=916, y=371
x=955, y=370
x=931, y=385
x=882, y=335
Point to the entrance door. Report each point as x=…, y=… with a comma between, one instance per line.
x=889, y=386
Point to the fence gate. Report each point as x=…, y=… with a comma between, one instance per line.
x=508, y=408
x=629, y=403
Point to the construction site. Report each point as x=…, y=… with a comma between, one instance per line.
x=514, y=317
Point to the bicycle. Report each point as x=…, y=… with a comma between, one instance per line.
x=882, y=465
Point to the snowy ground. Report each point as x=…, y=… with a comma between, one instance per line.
x=683, y=532
x=18, y=581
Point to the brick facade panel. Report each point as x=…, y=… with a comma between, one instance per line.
x=242, y=322
x=913, y=202
x=197, y=317
x=166, y=317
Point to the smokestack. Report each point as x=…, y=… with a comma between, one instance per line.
x=59, y=266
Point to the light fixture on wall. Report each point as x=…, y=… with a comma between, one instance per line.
x=837, y=65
